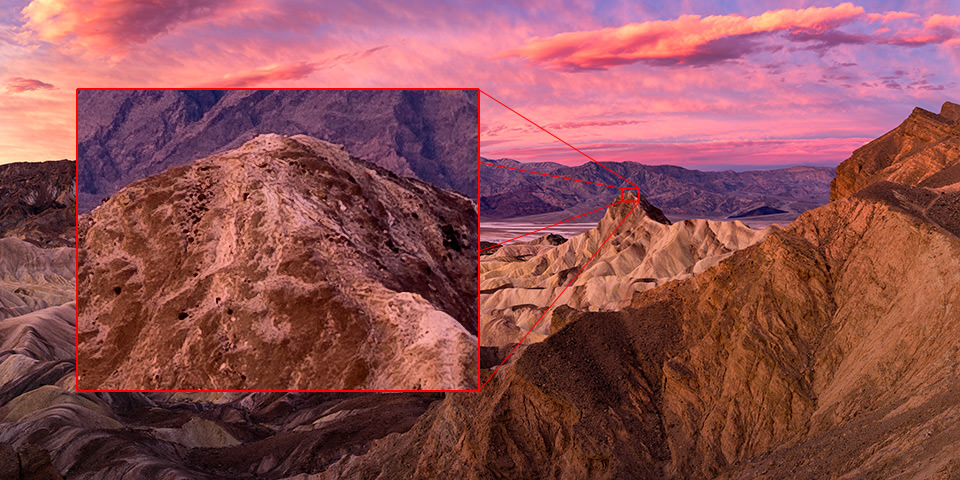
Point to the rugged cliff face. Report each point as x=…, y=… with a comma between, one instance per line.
x=38, y=202
x=431, y=135
x=924, y=145
x=282, y=264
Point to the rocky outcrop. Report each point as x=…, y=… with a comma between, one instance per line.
x=38, y=202
x=284, y=264
x=431, y=135
x=922, y=146
x=679, y=192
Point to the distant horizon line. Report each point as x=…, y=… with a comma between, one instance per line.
x=718, y=168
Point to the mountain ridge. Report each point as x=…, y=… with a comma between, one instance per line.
x=431, y=135
x=679, y=192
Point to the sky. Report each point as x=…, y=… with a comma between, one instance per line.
x=702, y=84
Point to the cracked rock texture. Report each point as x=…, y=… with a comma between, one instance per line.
x=283, y=264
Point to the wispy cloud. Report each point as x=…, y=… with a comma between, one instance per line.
x=271, y=74
x=20, y=84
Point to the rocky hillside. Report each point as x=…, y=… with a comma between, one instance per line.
x=283, y=264
x=819, y=352
x=38, y=202
x=679, y=192
x=518, y=282
x=924, y=145
x=431, y=135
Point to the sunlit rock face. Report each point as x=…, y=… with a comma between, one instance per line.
x=924, y=146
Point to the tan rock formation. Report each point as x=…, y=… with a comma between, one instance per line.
x=519, y=281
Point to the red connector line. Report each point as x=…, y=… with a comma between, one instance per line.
x=547, y=175
x=548, y=226
x=558, y=138
x=625, y=217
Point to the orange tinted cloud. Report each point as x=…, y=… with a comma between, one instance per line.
x=20, y=84
x=265, y=76
x=890, y=16
x=942, y=21
x=114, y=24
x=688, y=39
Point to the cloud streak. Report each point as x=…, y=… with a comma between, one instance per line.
x=20, y=85
x=685, y=40
x=270, y=74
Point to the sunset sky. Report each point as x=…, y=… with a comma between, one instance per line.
x=701, y=84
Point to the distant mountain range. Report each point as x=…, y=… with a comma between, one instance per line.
x=128, y=135
x=679, y=192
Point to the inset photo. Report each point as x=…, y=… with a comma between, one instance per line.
x=277, y=240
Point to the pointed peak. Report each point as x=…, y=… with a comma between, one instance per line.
x=638, y=206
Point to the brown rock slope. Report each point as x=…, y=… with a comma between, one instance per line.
x=38, y=202
x=922, y=146
x=282, y=264
x=828, y=350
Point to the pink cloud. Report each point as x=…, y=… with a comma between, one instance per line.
x=890, y=16
x=942, y=21
x=593, y=123
x=20, y=84
x=113, y=25
x=287, y=72
x=268, y=74
x=688, y=39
